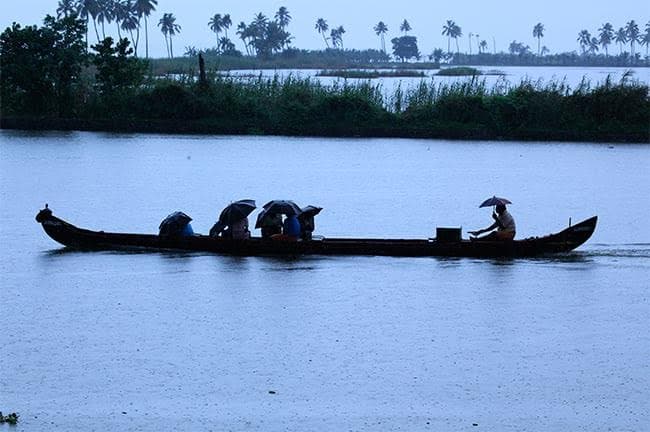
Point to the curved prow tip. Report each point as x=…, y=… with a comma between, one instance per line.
x=44, y=214
x=582, y=231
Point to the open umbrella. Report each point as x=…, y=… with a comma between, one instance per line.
x=276, y=207
x=495, y=200
x=236, y=211
x=310, y=210
x=286, y=207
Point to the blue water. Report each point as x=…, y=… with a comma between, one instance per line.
x=192, y=341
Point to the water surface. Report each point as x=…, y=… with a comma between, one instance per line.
x=193, y=341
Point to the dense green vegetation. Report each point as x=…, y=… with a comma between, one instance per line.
x=459, y=71
x=50, y=81
x=11, y=419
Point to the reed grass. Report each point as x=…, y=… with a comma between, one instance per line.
x=295, y=105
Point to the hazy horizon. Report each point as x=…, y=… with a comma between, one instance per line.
x=500, y=22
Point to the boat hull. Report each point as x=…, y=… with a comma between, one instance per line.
x=561, y=242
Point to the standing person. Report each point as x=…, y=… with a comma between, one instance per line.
x=504, y=224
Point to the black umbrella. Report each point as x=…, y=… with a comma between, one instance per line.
x=174, y=223
x=237, y=210
x=286, y=207
x=310, y=210
x=495, y=200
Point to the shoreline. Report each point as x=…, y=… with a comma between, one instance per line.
x=341, y=130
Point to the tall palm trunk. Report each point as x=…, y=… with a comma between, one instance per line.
x=146, y=37
x=325, y=39
x=96, y=31
x=137, y=39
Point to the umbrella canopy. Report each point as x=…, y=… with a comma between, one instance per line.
x=277, y=207
x=174, y=223
x=262, y=215
x=495, y=200
x=310, y=210
x=237, y=210
x=286, y=207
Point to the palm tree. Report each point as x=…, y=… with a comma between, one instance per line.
x=226, y=22
x=226, y=45
x=483, y=46
x=130, y=23
x=283, y=17
x=216, y=25
x=260, y=21
x=337, y=37
x=645, y=39
x=584, y=39
x=322, y=27
x=448, y=30
x=469, y=38
x=538, y=32
x=243, y=33
x=144, y=9
x=405, y=27
x=88, y=9
x=65, y=8
x=104, y=14
x=621, y=39
x=380, y=30
x=451, y=30
x=632, y=31
x=606, y=36
x=169, y=28
x=120, y=11
x=456, y=33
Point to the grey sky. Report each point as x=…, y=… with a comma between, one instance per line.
x=503, y=20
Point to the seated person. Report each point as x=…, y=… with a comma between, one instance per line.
x=217, y=229
x=239, y=230
x=307, y=226
x=291, y=228
x=271, y=225
x=504, y=224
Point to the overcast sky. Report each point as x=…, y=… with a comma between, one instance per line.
x=500, y=20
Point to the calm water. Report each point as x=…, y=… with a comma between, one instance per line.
x=190, y=341
x=572, y=76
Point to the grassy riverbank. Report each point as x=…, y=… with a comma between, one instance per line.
x=305, y=107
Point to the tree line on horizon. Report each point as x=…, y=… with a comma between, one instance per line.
x=264, y=36
x=50, y=79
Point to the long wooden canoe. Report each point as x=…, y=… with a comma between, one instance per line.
x=79, y=238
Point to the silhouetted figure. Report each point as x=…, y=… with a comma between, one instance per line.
x=271, y=225
x=203, y=82
x=291, y=227
x=504, y=224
